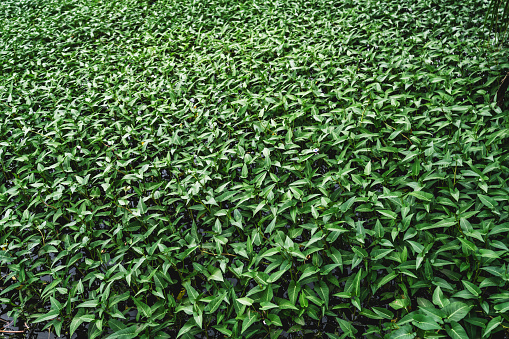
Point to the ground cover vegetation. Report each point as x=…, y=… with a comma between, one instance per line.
x=253, y=169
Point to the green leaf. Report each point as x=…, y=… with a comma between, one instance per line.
x=216, y=302
x=188, y=326
x=336, y=256
x=383, y=313
x=441, y=224
x=259, y=207
x=323, y=292
x=142, y=207
x=89, y=303
x=422, y=195
x=143, y=308
x=275, y=320
x=456, y=331
x=503, y=228
x=275, y=276
x=271, y=226
x=52, y=314
x=399, y=303
x=356, y=283
x=493, y=324
x=88, y=317
x=404, y=332
x=502, y=308
x=367, y=169
x=455, y=194
x=472, y=288
x=270, y=252
x=314, y=212
x=49, y=288
x=385, y=279
x=75, y=323
x=126, y=333
x=309, y=271
x=461, y=109
x=425, y=323
x=251, y=318
x=198, y=317
x=347, y=204
x=378, y=254
x=456, y=311
x=286, y=304
x=387, y=213
x=494, y=270
x=293, y=291
x=245, y=301
x=346, y=327
x=487, y=201
x=226, y=196
x=433, y=312
x=265, y=305
x=216, y=275
x=479, y=322
x=416, y=167
x=316, y=237
x=191, y=292
x=439, y=299
x=244, y=172
x=223, y=329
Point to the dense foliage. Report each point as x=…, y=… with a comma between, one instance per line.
x=497, y=18
x=253, y=169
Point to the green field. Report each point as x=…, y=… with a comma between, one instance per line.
x=258, y=168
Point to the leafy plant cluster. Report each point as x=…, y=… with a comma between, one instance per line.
x=253, y=168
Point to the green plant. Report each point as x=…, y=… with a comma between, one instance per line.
x=497, y=17
x=252, y=169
